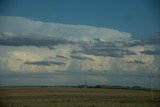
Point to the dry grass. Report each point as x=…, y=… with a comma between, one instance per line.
x=76, y=97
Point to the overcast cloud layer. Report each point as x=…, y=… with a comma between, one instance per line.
x=29, y=46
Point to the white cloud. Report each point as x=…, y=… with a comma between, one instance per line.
x=130, y=63
x=99, y=63
x=24, y=26
x=15, y=60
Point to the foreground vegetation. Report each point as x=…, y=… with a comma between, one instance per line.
x=76, y=97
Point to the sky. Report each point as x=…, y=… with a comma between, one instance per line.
x=65, y=42
x=139, y=17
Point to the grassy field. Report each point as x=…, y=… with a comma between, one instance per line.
x=76, y=97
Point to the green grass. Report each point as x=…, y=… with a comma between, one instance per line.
x=76, y=97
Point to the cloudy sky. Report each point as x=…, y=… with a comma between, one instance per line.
x=65, y=42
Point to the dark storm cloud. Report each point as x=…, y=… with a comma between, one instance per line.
x=44, y=63
x=136, y=62
x=154, y=40
x=152, y=52
x=60, y=56
x=31, y=41
x=134, y=43
x=109, y=52
x=51, y=48
x=80, y=57
x=104, y=49
x=130, y=43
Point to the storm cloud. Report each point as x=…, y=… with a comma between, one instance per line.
x=31, y=41
x=30, y=46
x=80, y=57
x=154, y=39
x=152, y=52
x=136, y=62
x=44, y=63
x=60, y=56
x=100, y=48
x=109, y=52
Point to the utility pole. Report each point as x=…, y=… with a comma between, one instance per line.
x=151, y=87
x=85, y=83
x=1, y=64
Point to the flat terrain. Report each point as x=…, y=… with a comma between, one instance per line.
x=76, y=97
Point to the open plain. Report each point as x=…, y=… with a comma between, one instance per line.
x=76, y=97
